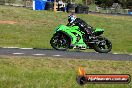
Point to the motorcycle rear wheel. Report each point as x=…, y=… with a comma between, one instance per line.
x=103, y=45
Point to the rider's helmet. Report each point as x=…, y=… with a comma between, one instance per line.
x=71, y=18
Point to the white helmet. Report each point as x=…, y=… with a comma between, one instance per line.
x=72, y=17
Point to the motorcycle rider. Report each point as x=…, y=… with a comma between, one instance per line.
x=73, y=20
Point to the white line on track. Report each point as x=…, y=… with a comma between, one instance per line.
x=18, y=53
x=25, y=48
x=39, y=54
x=57, y=55
x=115, y=53
x=130, y=54
x=11, y=47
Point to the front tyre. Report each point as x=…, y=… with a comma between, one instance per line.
x=60, y=42
x=103, y=45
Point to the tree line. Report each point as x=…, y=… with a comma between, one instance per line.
x=102, y=3
x=108, y=3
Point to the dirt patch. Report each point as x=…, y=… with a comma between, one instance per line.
x=7, y=22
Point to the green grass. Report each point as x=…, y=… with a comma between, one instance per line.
x=48, y=72
x=35, y=28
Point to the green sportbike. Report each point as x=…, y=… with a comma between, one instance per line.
x=74, y=37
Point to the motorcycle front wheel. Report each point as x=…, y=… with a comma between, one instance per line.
x=60, y=42
x=103, y=45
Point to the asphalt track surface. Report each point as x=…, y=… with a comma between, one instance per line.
x=64, y=54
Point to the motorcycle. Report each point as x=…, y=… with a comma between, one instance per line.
x=71, y=37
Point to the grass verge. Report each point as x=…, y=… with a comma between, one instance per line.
x=49, y=72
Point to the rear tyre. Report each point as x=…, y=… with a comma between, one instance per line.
x=49, y=6
x=60, y=42
x=103, y=45
x=71, y=7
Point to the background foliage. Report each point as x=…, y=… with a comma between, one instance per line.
x=102, y=3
